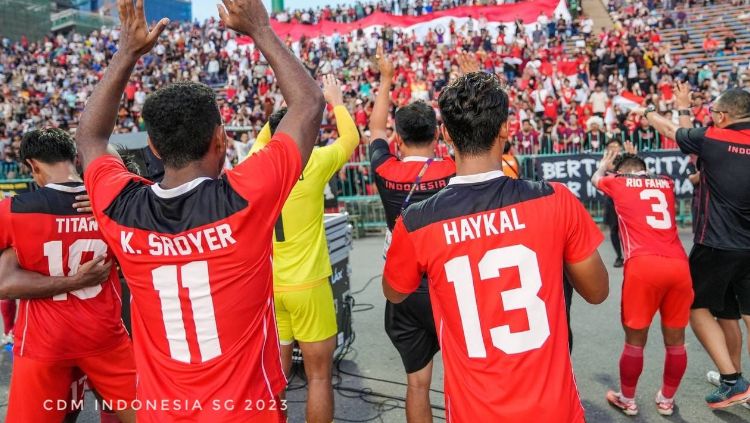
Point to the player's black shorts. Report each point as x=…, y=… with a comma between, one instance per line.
x=714, y=272
x=411, y=328
x=731, y=307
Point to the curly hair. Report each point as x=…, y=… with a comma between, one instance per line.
x=180, y=120
x=473, y=108
x=48, y=146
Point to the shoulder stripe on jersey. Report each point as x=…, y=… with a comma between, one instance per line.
x=139, y=207
x=733, y=136
x=47, y=200
x=467, y=199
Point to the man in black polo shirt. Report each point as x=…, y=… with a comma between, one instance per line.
x=417, y=175
x=721, y=255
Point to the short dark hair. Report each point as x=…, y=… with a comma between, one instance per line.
x=48, y=146
x=628, y=160
x=474, y=107
x=416, y=123
x=180, y=120
x=736, y=102
x=275, y=119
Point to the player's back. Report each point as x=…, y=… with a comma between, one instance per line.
x=52, y=238
x=300, y=249
x=197, y=258
x=495, y=269
x=645, y=206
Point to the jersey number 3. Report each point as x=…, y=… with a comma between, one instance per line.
x=661, y=207
x=458, y=271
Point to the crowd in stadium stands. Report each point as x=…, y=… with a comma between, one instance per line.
x=561, y=95
x=359, y=10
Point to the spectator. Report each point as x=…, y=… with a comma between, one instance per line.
x=595, y=138
x=645, y=137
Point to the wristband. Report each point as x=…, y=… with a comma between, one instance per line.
x=684, y=112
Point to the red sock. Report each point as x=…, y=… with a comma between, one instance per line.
x=8, y=310
x=631, y=366
x=675, y=364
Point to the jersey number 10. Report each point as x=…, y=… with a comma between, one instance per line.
x=53, y=250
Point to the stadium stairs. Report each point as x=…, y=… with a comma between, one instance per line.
x=714, y=20
x=701, y=20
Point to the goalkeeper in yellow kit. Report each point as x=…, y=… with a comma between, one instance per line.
x=301, y=265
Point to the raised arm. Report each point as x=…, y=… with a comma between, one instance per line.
x=17, y=283
x=263, y=138
x=302, y=94
x=348, y=138
x=100, y=114
x=379, y=117
x=604, y=165
x=665, y=126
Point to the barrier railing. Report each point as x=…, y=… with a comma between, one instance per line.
x=358, y=194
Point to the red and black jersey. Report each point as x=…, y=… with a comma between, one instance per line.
x=645, y=208
x=395, y=178
x=493, y=249
x=722, y=218
x=197, y=259
x=50, y=237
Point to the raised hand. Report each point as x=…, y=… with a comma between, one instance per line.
x=332, y=90
x=608, y=160
x=467, y=62
x=135, y=37
x=630, y=148
x=244, y=16
x=682, y=95
x=384, y=63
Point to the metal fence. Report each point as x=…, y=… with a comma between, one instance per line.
x=358, y=194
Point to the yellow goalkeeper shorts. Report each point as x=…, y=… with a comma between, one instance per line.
x=306, y=315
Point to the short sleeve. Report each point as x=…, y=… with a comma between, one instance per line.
x=380, y=152
x=606, y=184
x=690, y=140
x=582, y=236
x=402, y=269
x=105, y=178
x=268, y=176
x=6, y=225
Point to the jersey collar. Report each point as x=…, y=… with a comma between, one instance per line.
x=67, y=188
x=177, y=191
x=476, y=178
x=415, y=159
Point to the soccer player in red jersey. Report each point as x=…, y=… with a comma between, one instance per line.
x=67, y=321
x=195, y=248
x=494, y=249
x=657, y=274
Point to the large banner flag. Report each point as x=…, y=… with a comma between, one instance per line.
x=575, y=171
x=527, y=11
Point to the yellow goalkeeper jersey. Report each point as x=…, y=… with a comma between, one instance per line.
x=300, y=250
